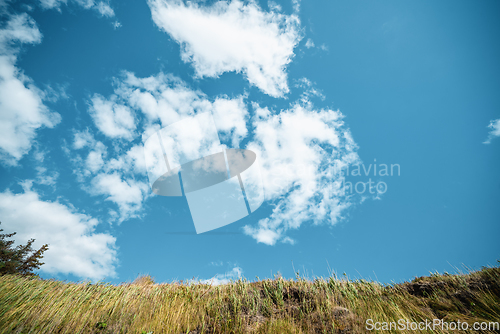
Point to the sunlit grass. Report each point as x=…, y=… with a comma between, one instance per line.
x=321, y=305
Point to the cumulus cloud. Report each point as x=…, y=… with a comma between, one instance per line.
x=111, y=174
x=130, y=162
x=74, y=246
x=302, y=152
x=82, y=139
x=232, y=36
x=166, y=99
x=104, y=9
x=495, y=130
x=22, y=111
x=95, y=161
x=158, y=101
x=113, y=119
x=127, y=193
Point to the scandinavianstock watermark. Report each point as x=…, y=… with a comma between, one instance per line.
x=362, y=179
x=435, y=324
x=374, y=187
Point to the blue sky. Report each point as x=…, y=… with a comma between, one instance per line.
x=314, y=88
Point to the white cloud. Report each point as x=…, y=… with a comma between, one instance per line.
x=44, y=178
x=113, y=119
x=233, y=275
x=135, y=158
x=132, y=161
x=50, y=4
x=82, y=139
x=162, y=97
x=232, y=36
x=74, y=247
x=302, y=152
x=263, y=234
x=22, y=111
x=112, y=177
x=39, y=155
x=101, y=7
x=55, y=94
x=20, y=28
x=310, y=44
x=309, y=90
x=230, y=119
x=166, y=99
x=128, y=194
x=494, y=132
x=105, y=9
x=86, y=3
x=95, y=161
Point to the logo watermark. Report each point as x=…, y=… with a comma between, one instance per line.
x=373, y=186
x=362, y=179
x=435, y=324
x=221, y=185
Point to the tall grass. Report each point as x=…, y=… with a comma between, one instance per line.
x=321, y=305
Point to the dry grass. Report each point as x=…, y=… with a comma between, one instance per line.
x=32, y=305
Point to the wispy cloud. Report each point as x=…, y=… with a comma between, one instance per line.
x=102, y=7
x=232, y=36
x=494, y=132
x=46, y=178
x=232, y=275
x=216, y=263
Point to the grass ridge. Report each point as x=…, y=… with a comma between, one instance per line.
x=320, y=305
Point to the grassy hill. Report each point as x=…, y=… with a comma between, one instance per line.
x=33, y=305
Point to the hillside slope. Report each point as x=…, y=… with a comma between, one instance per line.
x=33, y=305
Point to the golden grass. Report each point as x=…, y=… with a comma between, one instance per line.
x=33, y=305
